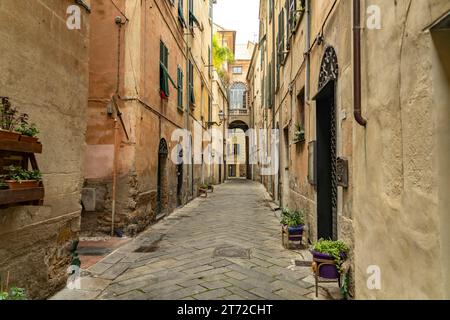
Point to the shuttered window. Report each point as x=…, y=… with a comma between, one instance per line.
x=181, y=13
x=164, y=76
x=192, y=18
x=191, y=84
x=163, y=73
x=180, y=77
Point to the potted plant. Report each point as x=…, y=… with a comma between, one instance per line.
x=299, y=134
x=8, y=121
x=13, y=293
x=293, y=224
x=19, y=178
x=329, y=256
x=3, y=185
x=28, y=131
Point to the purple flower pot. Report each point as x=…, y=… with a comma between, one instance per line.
x=295, y=232
x=326, y=271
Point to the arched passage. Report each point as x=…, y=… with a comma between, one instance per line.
x=238, y=150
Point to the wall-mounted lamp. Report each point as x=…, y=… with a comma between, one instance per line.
x=221, y=118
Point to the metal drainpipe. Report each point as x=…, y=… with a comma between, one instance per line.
x=114, y=185
x=308, y=51
x=357, y=63
x=118, y=22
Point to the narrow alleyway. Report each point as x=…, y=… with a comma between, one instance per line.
x=225, y=246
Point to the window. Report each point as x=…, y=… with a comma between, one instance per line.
x=236, y=149
x=192, y=18
x=180, y=88
x=263, y=50
x=191, y=84
x=270, y=9
x=293, y=7
x=280, y=47
x=210, y=62
x=209, y=109
x=269, y=91
x=181, y=13
x=237, y=70
x=301, y=107
x=210, y=10
x=163, y=70
x=237, y=96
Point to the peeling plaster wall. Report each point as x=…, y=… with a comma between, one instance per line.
x=399, y=226
x=44, y=72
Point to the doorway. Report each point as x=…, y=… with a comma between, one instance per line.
x=326, y=163
x=161, y=195
x=180, y=178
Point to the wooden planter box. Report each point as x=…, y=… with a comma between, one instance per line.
x=27, y=192
x=33, y=196
x=8, y=135
x=28, y=139
x=25, y=184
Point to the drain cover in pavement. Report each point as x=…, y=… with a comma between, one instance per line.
x=232, y=252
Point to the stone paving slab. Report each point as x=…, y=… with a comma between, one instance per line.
x=183, y=265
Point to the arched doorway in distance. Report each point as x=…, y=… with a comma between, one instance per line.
x=162, y=193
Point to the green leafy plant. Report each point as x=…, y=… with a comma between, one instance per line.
x=332, y=248
x=221, y=55
x=13, y=294
x=299, y=134
x=9, y=115
x=25, y=128
x=292, y=218
x=205, y=185
x=3, y=185
x=19, y=174
x=345, y=288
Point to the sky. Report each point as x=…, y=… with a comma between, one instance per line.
x=239, y=15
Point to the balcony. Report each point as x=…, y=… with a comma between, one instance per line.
x=238, y=112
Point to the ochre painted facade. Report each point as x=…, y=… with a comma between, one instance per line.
x=149, y=183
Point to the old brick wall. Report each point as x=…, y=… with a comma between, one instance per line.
x=44, y=73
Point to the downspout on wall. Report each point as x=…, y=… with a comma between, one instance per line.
x=308, y=51
x=357, y=63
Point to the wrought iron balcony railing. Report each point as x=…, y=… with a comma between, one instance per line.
x=238, y=112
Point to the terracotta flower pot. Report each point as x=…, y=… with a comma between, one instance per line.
x=9, y=135
x=28, y=139
x=24, y=184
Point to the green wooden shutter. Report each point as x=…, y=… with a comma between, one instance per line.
x=163, y=74
x=181, y=13
x=191, y=84
x=180, y=88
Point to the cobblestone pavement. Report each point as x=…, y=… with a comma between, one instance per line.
x=225, y=246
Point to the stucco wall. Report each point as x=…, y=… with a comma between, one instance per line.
x=45, y=74
x=396, y=173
